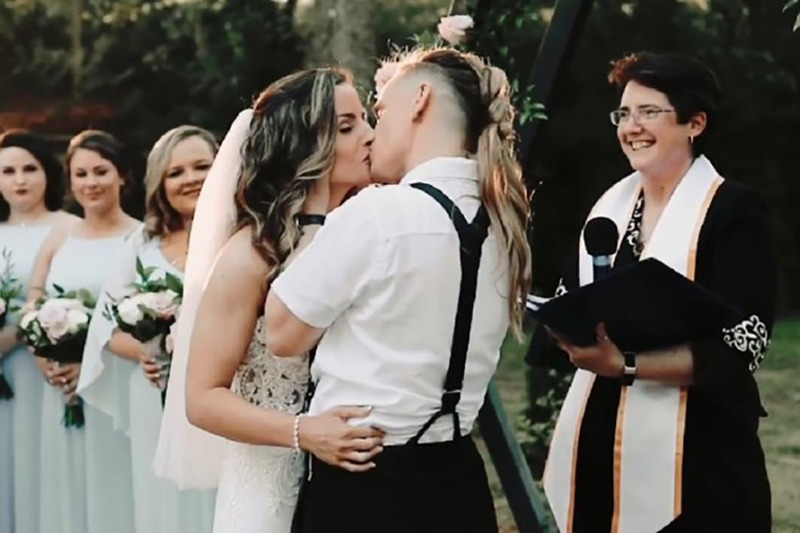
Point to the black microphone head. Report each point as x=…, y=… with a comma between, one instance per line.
x=601, y=236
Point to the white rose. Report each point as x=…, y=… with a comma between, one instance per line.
x=129, y=311
x=77, y=320
x=164, y=303
x=27, y=318
x=3, y=306
x=169, y=344
x=454, y=29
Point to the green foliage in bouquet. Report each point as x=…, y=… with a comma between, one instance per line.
x=10, y=287
x=152, y=323
x=69, y=348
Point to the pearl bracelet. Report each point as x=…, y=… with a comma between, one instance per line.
x=296, y=434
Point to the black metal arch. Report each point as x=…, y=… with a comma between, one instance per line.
x=527, y=503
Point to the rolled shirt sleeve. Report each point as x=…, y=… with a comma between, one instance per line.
x=336, y=268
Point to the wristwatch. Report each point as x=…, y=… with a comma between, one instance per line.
x=628, y=368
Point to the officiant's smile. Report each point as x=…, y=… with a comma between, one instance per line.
x=654, y=134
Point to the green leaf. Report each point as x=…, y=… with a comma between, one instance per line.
x=796, y=23
x=790, y=4
x=59, y=289
x=87, y=298
x=140, y=268
x=174, y=283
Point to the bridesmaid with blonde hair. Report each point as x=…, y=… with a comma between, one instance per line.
x=120, y=374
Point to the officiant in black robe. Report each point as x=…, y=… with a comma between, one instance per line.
x=668, y=440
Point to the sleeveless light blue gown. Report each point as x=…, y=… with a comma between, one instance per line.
x=20, y=417
x=86, y=484
x=136, y=407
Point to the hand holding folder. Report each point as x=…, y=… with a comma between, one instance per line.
x=645, y=306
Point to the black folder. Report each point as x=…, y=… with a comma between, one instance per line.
x=645, y=306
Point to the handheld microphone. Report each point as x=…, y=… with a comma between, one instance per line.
x=601, y=236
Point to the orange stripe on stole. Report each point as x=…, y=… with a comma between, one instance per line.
x=615, y=520
x=571, y=510
x=690, y=273
x=623, y=397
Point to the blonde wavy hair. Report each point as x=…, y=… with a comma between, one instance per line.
x=291, y=142
x=483, y=95
x=160, y=217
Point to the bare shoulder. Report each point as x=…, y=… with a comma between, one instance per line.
x=64, y=219
x=59, y=232
x=131, y=224
x=239, y=266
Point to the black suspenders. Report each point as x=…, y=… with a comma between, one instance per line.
x=471, y=237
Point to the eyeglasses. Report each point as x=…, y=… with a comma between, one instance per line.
x=641, y=116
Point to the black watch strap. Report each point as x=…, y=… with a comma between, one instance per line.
x=629, y=368
x=309, y=220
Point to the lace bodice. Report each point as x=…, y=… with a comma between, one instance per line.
x=278, y=383
x=259, y=484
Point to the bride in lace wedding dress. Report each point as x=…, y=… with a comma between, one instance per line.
x=232, y=417
x=258, y=485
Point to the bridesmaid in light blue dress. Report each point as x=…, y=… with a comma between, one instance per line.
x=114, y=360
x=31, y=195
x=86, y=483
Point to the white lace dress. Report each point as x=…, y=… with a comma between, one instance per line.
x=259, y=484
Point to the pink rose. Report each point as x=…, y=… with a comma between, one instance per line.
x=454, y=29
x=385, y=73
x=164, y=304
x=57, y=331
x=52, y=313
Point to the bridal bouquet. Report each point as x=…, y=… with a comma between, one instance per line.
x=56, y=329
x=10, y=290
x=148, y=313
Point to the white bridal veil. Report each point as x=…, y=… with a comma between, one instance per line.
x=186, y=455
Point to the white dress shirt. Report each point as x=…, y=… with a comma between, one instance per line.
x=382, y=275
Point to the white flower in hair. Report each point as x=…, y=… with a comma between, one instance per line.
x=453, y=29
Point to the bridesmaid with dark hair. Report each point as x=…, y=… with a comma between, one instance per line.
x=31, y=197
x=87, y=487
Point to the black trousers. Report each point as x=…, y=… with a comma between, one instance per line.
x=436, y=488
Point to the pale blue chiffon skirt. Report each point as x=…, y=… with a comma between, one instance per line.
x=28, y=384
x=108, y=475
x=160, y=506
x=62, y=502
